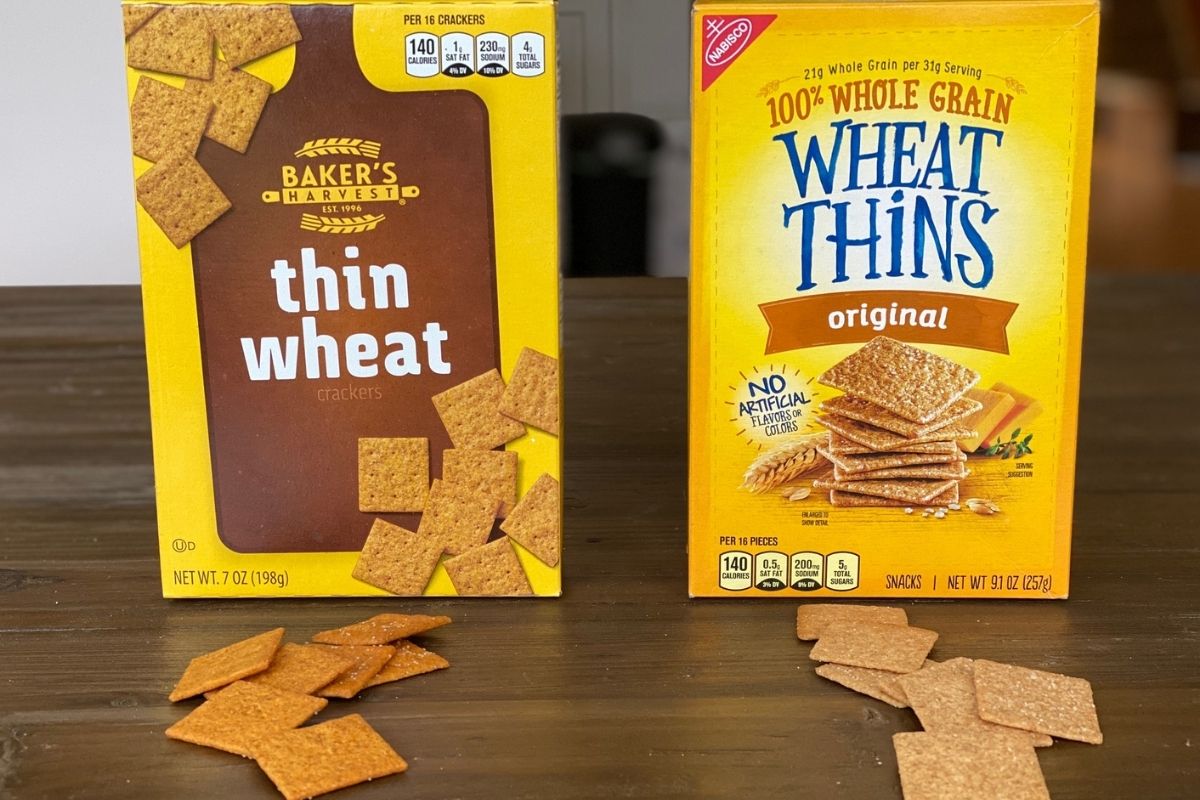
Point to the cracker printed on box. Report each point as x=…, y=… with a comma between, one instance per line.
x=866, y=412
x=913, y=383
x=535, y=522
x=847, y=499
x=177, y=41
x=180, y=197
x=245, y=33
x=954, y=470
x=164, y=120
x=393, y=474
x=135, y=17
x=471, y=413
x=397, y=560
x=532, y=392
x=879, y=440
x=844, y=447
x=457, y=518
x=489, y=571
x=242, y=714
x=492, y=473
x=238, y=99
x=913, y=492
x=318, y=759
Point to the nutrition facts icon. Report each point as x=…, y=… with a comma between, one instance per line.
x=529, y=55
x=492, y=54
x=458, y=55
x=770, y=571
x=806, y=571
x=421, y=55
x=735, y=571
x=841, y=571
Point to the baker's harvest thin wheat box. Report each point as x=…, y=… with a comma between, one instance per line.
x=890, y=213
x=347, y=224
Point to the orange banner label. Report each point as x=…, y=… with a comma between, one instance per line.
x=926, y=317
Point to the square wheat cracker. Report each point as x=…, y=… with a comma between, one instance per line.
x=954, y=470
x=879, y=440
x=177, y=41
x=457, y=518
x=844, y=499
x=241, y=714
x=489, y=571
x=382, y=629
x=223, y=667
x=369, y=659
x=165, y=120
x=397, y=560
x=238, y=99
x=842, y=446
x=492, y=473
x=135, y=17
x=874, y=461
x=813, y=618
x=302, y=668
x=471, y=414
x=894, y=648
x=245, y=33
x=535, y=522
x=180, y=197
x=861, y=680
x=410, y=660
x=943, y=698
x=393, y=474
x=912, y=492
x=939, y=766
x=863, y=411
x=913, y=383
x=532, y=393
x=891, y=684
x=1033, y=700
x=323, y=758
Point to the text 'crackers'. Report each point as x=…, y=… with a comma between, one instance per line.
x=347, y=223
x=889, y=227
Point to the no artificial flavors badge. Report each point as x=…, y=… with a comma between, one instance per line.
x=772, y=402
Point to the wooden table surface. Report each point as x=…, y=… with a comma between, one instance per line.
x=624, y=687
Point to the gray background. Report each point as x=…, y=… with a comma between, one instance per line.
x=66, y=186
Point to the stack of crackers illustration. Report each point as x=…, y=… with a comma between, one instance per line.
x=893, y=435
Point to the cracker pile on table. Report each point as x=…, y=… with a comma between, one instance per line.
x=981, y=719
x=893, y=435
x=258, y=692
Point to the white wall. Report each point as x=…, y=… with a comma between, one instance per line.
x=66, y=186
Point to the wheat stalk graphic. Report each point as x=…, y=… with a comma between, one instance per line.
x=319, y=224
x=342, y=146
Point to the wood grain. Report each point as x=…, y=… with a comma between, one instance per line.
x=623, y=688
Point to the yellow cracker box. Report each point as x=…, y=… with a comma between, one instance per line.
x=890, y=211
x=348, y=234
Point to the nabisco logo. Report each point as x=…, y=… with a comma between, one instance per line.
x=726, y=40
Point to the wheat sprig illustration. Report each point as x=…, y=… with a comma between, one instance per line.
x=344, y=146
x=319, y=224
x=782, y=464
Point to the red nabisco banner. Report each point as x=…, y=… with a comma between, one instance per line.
x=928, y=317
x=725, y=39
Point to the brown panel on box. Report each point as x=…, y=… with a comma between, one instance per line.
x=285, y=451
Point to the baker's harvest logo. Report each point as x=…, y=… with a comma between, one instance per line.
x=343, y=177
x=726, y=38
